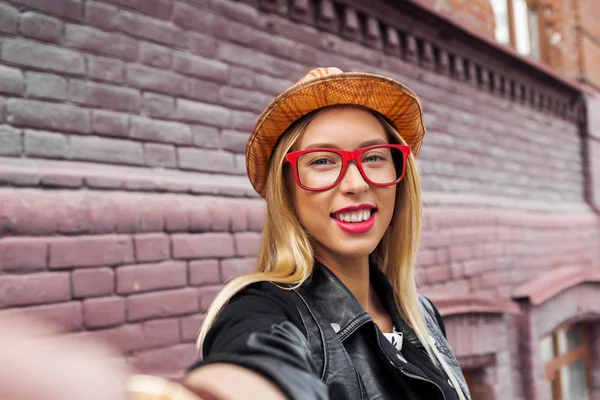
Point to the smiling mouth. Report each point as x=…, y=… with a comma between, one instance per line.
x=354, y=216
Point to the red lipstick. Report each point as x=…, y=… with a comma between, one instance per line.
x=356, y=227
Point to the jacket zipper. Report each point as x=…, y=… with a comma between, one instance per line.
x=413, y=376
x=408, y=374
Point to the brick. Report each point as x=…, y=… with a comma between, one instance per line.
x=206, y=160
x=11, y=80
x=160, y=131
x=189, y=64
x=157, y=80
x=156, y=8
x=10, y=141
x=203, y=45
x=155, y=55
x=104, y=312
x=204, y=91
x=127, y=3
x=101, y=15
x=90, y=251
x=437, y=274
x=2, y=108
x=243, y=120
x=234, y=141
x=8, y=19
x=106, y=150
x=207, y=295
x=72, y=9
x=231, y=31
x=241, y=77
x=37, y=114
x=256, y=212
x=192, y=18
x=66, y=317
x=46, y=86
x=42, y=56
x=202, y=245
x=149, y=277
x=236, y=11
x=247, y=243
x=102, y=95
x=91, y=39
x=27, y=253
x=151, y=247
x=61, y=180
x=205, y=136
x=243, y=99
x=125, y=338
x=271, y=85
x=204, y=272
x=160, y=333
x=160, y=155
x=208, y=114
x=214, y=216
x=45, y=144
x=39, y=288
x=166, y=303
x=92, y=282
x=158, y=106
x=106, y=69
x=239, y=219
x=190, y=327
x=41, y=27
x=110, y=123
x=234, y=267
x=164, y=361
x=149, y=28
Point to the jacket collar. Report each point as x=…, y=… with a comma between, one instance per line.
x=341, y=307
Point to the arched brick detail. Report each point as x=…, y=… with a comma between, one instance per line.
x=577, y=303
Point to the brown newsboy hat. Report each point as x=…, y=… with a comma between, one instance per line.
x=324, y=87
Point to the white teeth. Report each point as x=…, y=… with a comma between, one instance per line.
x=354, y=217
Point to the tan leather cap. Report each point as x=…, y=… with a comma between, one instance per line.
x=324, y=87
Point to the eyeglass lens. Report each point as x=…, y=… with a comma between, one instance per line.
x=319, y=169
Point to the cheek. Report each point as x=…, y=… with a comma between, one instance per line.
x=311, y=209
x=388, y=204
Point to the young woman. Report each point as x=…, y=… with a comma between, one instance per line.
x=333, y=310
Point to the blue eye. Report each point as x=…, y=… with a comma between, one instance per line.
x=321, y=161
x=373, y=158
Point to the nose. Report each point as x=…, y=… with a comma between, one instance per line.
x=353, y=182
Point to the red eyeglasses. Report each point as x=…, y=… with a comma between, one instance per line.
x=323, y=168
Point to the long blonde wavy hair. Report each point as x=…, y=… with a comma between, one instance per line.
x=286, y=253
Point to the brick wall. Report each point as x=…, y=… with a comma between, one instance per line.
x=122, y=130
x=478, y=14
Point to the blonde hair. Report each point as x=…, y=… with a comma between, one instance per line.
x=286, y=254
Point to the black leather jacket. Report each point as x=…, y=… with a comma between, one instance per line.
x=317, y=342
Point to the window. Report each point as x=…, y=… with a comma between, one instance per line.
x=566, y=355
x=518, y=25
x=478, y=386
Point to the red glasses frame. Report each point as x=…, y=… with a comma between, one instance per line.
x=347, y=156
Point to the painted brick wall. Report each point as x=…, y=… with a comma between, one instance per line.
x=124, y=200
x=478, y=14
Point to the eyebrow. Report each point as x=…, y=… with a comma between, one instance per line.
x=333, y=146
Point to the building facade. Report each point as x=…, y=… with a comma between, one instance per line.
x=124, y=204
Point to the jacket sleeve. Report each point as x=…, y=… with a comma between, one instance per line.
x=438, y=317
x=255, y=331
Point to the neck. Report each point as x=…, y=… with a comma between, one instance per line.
x=354, y=274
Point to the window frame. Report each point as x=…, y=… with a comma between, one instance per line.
x=537, y=7
x=552, y=368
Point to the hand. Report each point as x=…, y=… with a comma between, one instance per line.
x=36, y=362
